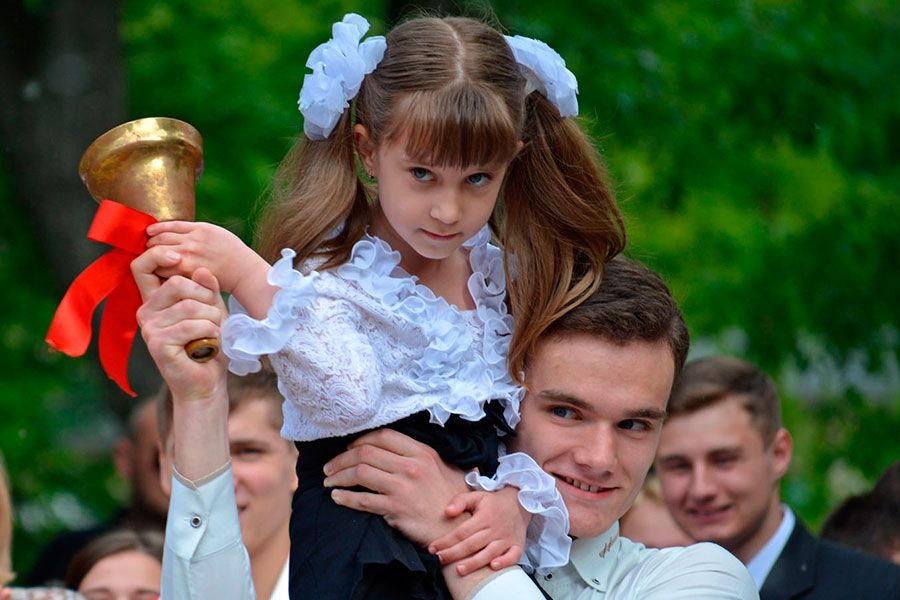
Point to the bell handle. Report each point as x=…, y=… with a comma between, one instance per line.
x=202, y=350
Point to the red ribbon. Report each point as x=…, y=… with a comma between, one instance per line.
x=107, y=277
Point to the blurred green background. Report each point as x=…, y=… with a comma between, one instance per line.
x=755, y=146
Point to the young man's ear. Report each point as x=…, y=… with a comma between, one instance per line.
x=123, y=458
x=782, y=451
x=165, y=470
x=365, y=148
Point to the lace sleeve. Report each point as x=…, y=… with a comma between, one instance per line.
x=245, y=339
x=328, y=369
x=547, y=543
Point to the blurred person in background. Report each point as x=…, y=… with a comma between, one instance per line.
x=264, y=480
x=120, y=565
x=6, y=573
x=722, y=455
x=649, y=521
x=888, y=485
x=135, y=457
x=870, y=522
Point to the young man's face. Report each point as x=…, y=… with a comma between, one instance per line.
x=592, y=418
x=262, y=465
x=719, y=480
x=264, y=477
x=136, y=460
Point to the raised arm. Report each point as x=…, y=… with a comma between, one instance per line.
x=182, y=247
x=204, y=556
x=176, y=311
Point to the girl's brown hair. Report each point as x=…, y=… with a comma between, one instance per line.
x=452, y=91
x=147, y=542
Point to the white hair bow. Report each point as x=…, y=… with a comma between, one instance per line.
x=545, y=71
x=339, y=66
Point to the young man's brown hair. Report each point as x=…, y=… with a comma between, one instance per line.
x=706, y=381
x=262, y=385
x=633, y=304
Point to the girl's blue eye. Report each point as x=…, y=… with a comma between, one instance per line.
x=479, y=179
x=420, y=174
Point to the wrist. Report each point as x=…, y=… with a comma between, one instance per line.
x=250, y=285
x=200, y=433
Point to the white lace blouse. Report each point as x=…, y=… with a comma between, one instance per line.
x=364, y=345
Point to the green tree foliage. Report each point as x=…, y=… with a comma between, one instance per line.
x=754, y=148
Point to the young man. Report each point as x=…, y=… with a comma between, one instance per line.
x=262, y=466
x=722, y=455
x=598, y=382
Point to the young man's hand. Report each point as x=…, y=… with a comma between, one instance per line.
x=410, y=485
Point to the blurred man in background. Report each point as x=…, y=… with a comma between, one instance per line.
x=722, y=455
x=263, y=480
x=870, y=522
x=136, y=461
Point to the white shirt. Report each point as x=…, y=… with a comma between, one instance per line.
x=611, y=567
x=280, y=592
x=760, y=565
x=204, y=556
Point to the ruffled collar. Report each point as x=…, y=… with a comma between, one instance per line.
x=376, y=267
x=452, y=354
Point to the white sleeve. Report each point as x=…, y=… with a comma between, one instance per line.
x=204, y=555
x=699, y=572
x=511, y=583
x=245, y=339
x=547, y=541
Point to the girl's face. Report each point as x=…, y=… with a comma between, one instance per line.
x=128, y=575
x=428, y=211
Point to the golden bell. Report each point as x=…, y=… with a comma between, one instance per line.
x=151, y=165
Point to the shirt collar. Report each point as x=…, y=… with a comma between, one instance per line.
x=280, y=592
x=760, y=565
x=595, y=558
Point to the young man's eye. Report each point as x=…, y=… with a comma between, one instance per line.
x=420, y=174
x=563, y=412
x=247, y=453
x=675, y=467
x=635, y=425
x=479, y=179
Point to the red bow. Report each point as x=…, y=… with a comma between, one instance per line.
x=123, y=228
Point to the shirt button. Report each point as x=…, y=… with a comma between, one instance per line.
x=196, y=521
x=596, y=581
x=548, y=576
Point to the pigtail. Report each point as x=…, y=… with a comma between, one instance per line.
x=316, y=190
x=561, y=225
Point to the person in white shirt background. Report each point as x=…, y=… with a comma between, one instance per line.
x=262, y=466
x=722, y=454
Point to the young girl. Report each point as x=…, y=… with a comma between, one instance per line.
x=397, y=315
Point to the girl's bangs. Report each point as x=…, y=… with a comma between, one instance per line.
x=458, y=127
